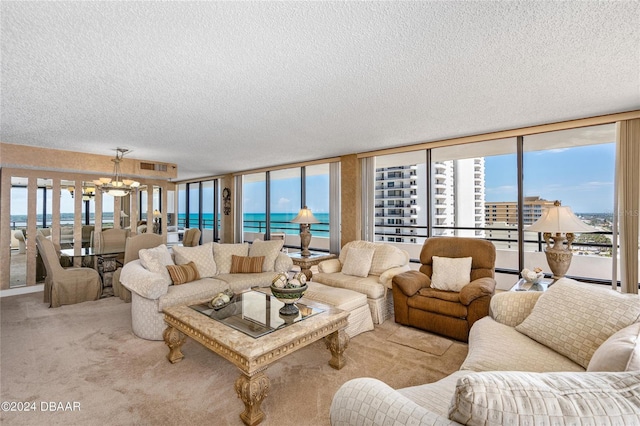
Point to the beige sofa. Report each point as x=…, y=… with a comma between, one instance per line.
x=570, y=355
x=367, y=268
x=152, y=291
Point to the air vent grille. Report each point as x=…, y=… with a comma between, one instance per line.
x=153, y=166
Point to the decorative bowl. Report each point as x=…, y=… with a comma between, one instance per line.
x=288, y=296
x=222, y=300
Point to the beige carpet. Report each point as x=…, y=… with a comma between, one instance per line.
x=421, y=340
x=86, y=353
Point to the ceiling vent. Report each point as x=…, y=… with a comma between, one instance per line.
x=153, y=166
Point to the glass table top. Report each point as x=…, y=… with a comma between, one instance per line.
x=255, y=313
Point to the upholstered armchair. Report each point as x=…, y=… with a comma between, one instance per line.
x=450, y=312
x=191, y=237
x=131, y=248
x=66, y=286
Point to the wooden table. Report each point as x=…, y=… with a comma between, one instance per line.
x=252, y=355
x=305, y=263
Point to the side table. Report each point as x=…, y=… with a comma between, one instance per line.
x=523, y=285
x=305, y=263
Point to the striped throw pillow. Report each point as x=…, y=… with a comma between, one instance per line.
x=181, y=274
x=246, y=265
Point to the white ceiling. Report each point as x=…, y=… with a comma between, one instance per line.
x=218, y=87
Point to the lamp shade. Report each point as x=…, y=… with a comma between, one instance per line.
x=305, y=216
x=559, y=219
x=156, y=213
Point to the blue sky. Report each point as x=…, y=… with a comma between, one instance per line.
x=580, y=177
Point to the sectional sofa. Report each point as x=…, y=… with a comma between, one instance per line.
x=570, y=355
x=153, y=289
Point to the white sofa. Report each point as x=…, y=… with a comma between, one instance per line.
x=373, y=280
x=570, y=355
x=152, y=291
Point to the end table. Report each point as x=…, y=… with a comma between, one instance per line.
x=523, y=285
x=305, y=263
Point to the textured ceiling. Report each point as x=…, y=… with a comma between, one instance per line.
x=218, y=87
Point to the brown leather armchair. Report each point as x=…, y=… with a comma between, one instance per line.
x=448, y=313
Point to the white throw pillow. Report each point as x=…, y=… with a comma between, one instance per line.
x=156, y=260
x=222, y=255
x=202, y=256
x=574, y=318
x=451, y=273
x=268, y=249
x=519, y=398
x=358, y=262
x=620, y=352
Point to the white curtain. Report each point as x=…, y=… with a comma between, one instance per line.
x=628, y=179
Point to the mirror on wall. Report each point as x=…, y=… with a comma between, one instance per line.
x=18, y=213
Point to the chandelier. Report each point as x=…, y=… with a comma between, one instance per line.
x=87, y=192
x=116, y=186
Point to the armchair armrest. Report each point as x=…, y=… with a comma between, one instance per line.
x=477, y=288
x=411, y=282
x=329, y=266
x=387, y=276
x=512, y=307
x=147, y=284
x=359, y=401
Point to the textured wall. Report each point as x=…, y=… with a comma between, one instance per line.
x=351, y=200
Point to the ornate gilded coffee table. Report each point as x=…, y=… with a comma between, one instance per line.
x=257, y=313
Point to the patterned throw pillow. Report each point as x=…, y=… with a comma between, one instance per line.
x=620, y=352
x=156, y=260
x=246, y=265
x=519, y=398
x=268, y=249
x=451, y=273
x=358, y=262
x=574, y=318
x=222, y=255
x=202, y=256
x=181, y=274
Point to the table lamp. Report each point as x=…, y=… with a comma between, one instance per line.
x=554, y=222
x=305, y=218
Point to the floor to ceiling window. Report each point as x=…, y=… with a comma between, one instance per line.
x=199, y=207
x=270, y=200
x=575, y=167
x=474, y=190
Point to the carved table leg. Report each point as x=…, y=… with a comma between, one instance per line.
x=252, y=390
x=337, y=343
x=174, y=339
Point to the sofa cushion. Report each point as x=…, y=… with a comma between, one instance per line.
x=369, y=285
x=156, y=260
x=268, y=249
x=358, y=262
x=239, y=282
x=518, y=398
x=451, y=273
x=574, y=318
x=192, y=292
x=222, y=255
x=246, y=264
x=385, y=256
x=495, y=346
x=202, y=256
x=181, y=274
x=620, y=352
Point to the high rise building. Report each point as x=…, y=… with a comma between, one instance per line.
x=457, y=200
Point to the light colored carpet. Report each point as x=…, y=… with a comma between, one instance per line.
x=421, y=340
x=86, y=353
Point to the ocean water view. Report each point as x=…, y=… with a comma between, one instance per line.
x=257, y=222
